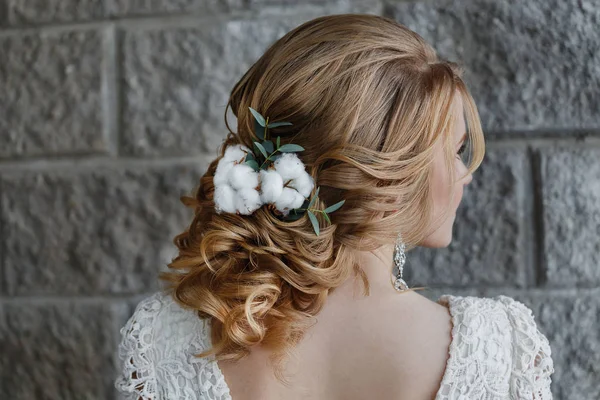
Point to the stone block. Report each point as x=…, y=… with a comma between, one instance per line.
x=145, y=7
x=93, y=231
x=25, y=12
x=571, y=215
x=61, y=349
x=529, y=65
x=170, y=102
x=51, y=94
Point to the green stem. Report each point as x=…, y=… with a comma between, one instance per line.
x=311, y=209
x=266, y=128
x=266, y=159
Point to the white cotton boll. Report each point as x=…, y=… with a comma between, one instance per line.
x=289, y=199
x=289, y=166
x=298, y=200
x=271, y=185
x=235, y=152
x=242, y=176
x=248, y=201
x=223, y=167
x=224, y=199
x=304, y=184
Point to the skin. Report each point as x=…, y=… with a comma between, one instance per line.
x=388, y=345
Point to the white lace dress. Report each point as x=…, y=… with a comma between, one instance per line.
x=496, y=352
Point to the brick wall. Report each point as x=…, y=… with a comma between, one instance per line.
x=110, y=109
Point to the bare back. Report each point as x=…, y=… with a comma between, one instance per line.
x=384, y=347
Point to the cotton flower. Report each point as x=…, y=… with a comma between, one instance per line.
x=221, y=172
x=289, y=199
x=236, y=183
x=271, y=185
x=242, y=176
x=289, y=166
x=235, y=152
x=247, y=201
x=304, y=184
x=225, y=199
x=232, y=153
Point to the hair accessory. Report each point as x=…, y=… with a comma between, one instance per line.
x=399, y=260
x=245, y=180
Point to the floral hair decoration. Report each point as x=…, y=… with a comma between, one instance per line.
x=244, y=180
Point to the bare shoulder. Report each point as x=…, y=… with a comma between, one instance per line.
x=419, y=338
x=394, y=347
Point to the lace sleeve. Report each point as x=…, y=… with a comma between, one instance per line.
x=532, y=361
x=137, y=379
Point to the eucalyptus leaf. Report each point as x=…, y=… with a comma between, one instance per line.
x=327, y=218
x=259, y=130
x=276, y=124
x=253, y=164
x=269, y=146
x=334, y=207
x=278, y=138
x=314, y=221
x=259, y=118
x=250, y=156
x=290, y=148
x=312, y=201
x=262, y=149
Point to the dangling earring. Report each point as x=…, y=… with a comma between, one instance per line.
x=399, y=260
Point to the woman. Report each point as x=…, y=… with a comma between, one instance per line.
x=260, y=306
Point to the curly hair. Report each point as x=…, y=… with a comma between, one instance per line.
x=368, y=99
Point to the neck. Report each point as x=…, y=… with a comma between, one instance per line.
x=377, y=265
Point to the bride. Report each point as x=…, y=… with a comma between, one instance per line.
x=349, y=151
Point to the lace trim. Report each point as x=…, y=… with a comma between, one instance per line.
x=496, y=351
x=220, y=387
x=532, y=365
x=138, y=376
x=158, y=348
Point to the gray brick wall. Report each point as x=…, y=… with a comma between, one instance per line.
x=112, y=108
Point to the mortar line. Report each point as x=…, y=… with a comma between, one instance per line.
x=539, y=254
x=110, y=97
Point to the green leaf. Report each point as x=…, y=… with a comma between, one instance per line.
x=327, y=218
x=250, y=156
x=314, y=198
x=290, y=148
x=314, y=222
x=268, y=145
x=276, y=124
x=253, y=164
x=278, y=141
x=259, y=130
x=262, y=149
x=334, y=207
x=259, y=118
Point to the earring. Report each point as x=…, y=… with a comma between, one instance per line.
x=399, y=260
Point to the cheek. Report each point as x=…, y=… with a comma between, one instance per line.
x=440, y=189
x=461, y=170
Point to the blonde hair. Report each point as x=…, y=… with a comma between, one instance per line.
x=368, y=99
